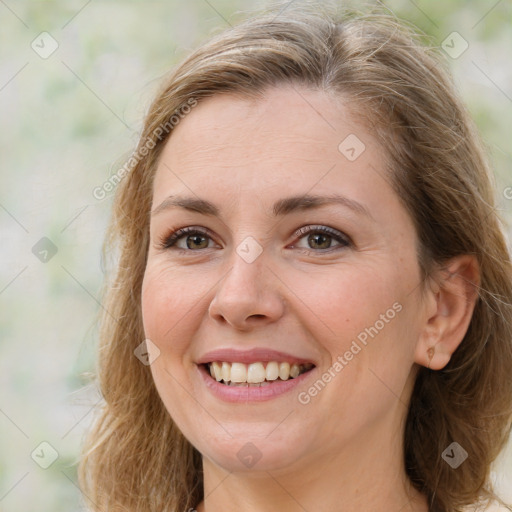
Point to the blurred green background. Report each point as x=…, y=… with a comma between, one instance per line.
x=71, y=102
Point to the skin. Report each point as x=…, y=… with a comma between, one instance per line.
x=343, y=449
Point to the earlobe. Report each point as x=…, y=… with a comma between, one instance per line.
x=435, y=358
x=451, y=303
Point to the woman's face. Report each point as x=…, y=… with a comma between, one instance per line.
x=244, y=286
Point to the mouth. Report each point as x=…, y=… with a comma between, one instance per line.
x=256, y=374
x=253, y=375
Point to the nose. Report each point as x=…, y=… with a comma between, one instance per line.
x=249, y=296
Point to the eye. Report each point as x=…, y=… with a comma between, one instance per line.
x=320, y=238
x=194, y=238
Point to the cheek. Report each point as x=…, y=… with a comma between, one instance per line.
x=167, y=302
x=168, y=299
x=345, y=302
x=366, y=315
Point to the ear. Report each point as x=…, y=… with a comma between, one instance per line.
x=451, y=301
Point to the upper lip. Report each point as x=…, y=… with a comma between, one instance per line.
x=251, y=356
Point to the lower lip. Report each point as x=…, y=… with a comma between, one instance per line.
x=250, y=393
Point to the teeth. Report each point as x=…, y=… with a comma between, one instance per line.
x=255, y=373
x=272, y=370
x=284, y=371
x=294, y=371
x=238, y=372
x=226, y=372
x=216, y=371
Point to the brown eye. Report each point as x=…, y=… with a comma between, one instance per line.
x=320, y=238
x=194, y=238
x=196, y=241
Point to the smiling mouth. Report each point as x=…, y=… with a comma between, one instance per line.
x=256, y=374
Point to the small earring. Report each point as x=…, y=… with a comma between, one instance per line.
x=430, y=352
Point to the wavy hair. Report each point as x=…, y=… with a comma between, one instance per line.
x=134, y=458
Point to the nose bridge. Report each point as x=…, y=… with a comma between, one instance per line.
x=244, y=282
x=249, y=289
x=249, y=261
x=250, y=264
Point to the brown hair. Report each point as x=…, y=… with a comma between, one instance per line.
x=135, y=458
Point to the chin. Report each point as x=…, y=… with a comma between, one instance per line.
x=252, y=453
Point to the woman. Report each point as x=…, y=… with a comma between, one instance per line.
x=312, y=304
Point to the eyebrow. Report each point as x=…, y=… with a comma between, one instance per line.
x=281, y=207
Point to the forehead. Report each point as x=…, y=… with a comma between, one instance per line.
x=283, y=117
x=291, y=139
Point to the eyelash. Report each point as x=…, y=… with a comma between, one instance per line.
x=168, y=241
